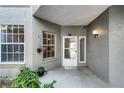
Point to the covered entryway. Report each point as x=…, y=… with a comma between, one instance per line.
x=75, y=45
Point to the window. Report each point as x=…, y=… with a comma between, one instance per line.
x=48, y=45
x=12, y=43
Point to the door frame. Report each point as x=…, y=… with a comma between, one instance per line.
x=64, y=48
x=80, y=37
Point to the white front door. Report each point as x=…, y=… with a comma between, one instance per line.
x=70, y=51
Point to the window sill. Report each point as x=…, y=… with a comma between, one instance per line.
x=49, y=60
x=12, y=63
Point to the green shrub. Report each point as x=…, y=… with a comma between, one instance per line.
x=26, y=79
x=49, y=85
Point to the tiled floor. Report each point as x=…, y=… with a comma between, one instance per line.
x=81, y=78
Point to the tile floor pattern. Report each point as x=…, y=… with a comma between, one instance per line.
x=80, y=78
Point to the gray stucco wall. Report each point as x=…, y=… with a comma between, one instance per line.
x=116, y=45
x=18, y=16
x=74, y=31
x=98, y=48
x=38, y=26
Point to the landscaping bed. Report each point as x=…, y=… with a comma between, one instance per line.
x=25, y=78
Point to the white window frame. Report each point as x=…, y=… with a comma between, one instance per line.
x=12, y=62
x=49, y=58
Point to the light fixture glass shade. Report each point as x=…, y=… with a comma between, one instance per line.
x=95, y=32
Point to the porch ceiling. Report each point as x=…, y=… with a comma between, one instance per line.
x=70, y=14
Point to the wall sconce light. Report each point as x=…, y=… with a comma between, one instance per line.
x=95, y=33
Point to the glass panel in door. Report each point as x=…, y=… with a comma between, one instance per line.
x=70, y=50
x=82, y=49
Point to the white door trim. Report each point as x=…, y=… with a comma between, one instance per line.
x=80, y=37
